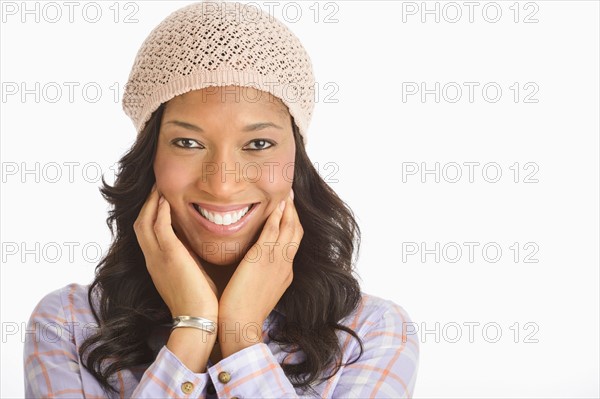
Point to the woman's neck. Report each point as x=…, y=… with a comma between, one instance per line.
x=220, y=274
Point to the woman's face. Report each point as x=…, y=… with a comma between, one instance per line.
x=221, y=150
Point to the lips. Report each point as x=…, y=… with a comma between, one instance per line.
x=224, y=218
x=199, y=210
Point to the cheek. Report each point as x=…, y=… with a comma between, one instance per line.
x=276, y=176
x=171, y=175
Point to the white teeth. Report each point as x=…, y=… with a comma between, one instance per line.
x=225, y=218
x=240, y=213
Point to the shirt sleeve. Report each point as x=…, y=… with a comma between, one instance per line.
x=168, y=377
x=252, y=372
x=52, y=363
x=389, y=364
x=387, y=368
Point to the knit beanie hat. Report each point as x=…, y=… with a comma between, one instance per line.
x=219, y=44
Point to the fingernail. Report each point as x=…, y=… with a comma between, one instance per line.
x=161, y=200
x=292, y=194
x=282, y=205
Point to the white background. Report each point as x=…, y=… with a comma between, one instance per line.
x=370, y=135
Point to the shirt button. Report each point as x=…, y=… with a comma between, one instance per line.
x=224, y=377
x=187, y=387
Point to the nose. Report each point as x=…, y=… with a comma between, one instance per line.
x=221, y=176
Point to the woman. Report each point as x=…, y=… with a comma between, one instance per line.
x=230, y=274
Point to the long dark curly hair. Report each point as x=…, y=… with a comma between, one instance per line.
x=323, y=291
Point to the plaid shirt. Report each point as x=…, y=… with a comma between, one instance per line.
x=63, y=319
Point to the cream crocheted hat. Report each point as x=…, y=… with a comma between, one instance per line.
x=219, y=44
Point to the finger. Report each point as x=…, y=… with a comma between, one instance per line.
x=293, y=226
x=291, y=233
x=294, y=244
x=166, y=237
x=289, y=223
x=146, y=212
x=299, y=229
x=270, y=230
x=143, y=225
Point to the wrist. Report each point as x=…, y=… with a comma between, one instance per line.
x=228, y=349
x=195, y=322
x=234, y=336
x=192, y=347
x=196, y=312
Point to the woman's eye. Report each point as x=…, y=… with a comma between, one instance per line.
x=259, y=144
x=187, y=143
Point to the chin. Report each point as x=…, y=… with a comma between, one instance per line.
x=221, y=252
x=222, y=258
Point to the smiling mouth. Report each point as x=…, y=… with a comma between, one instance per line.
x=223, y=218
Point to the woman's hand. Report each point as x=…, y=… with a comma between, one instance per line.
x=176, y=272
x=260, y=280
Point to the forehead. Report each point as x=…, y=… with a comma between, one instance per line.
x=229, y=95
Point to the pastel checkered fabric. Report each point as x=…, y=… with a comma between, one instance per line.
x=63, y=319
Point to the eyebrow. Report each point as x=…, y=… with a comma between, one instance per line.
x=249, y=128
